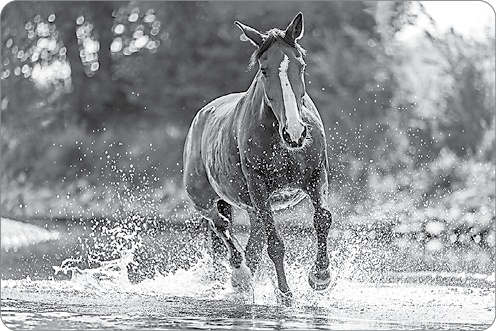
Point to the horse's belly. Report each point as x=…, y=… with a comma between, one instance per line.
x=286, y=198
x=235, y=192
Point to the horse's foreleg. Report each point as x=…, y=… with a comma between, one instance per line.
x=319, y=277
x=275, y=246
x=276, y=250
x=256, y=242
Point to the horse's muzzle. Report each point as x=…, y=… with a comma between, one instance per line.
x=294, y=144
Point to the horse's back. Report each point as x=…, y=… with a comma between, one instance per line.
x=214, y=113
x=205, y=128
x=218, y=108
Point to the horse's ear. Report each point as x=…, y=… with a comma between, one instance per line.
x=253, y=35
x=295, y=28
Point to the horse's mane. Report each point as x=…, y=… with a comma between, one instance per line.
x=269, y=38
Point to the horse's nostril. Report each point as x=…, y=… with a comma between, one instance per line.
x=285, y=136
x=294, y=144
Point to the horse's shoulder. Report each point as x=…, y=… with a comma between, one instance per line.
x=226, y=100
x=222, y=106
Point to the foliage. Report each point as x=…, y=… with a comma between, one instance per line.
x=94, y=91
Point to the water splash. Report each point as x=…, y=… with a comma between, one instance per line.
x=201, y=276
x=135, y=253
x=109, y=276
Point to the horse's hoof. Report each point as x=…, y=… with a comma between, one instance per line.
x=319, y=280
x=285, y=299
x=241, y=278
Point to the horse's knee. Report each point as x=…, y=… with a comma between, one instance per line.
x=256, y=242
x=210, y=210
x=322, y=220
x=254, y=252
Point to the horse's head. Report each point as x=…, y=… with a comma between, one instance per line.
x=281, y=70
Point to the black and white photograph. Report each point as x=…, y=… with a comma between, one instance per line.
x=248, y=165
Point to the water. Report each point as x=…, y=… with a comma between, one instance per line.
x=45, y=305
x=164, y=278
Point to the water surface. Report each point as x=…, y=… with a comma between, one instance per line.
x=165, y=279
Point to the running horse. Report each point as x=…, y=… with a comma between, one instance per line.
x=252, y=148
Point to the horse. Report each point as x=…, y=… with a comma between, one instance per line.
x=249, y=149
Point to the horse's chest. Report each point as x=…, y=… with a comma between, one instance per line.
x=287, y=168
x=280, y=166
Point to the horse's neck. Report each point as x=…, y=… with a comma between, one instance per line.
x=254, y=101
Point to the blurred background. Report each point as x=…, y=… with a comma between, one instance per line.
x=97, y=98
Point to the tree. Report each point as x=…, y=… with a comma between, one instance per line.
x=77, y=35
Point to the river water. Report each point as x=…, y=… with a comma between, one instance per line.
x=81, y=280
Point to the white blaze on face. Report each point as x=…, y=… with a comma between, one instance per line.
x=293, y=122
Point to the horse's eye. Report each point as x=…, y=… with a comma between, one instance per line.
x=264, y=72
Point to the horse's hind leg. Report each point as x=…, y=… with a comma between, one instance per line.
x=319, y=277
x=206, y=200
x=241, y=278
x=215, y=243
x=223, y=225
x=220, y=217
